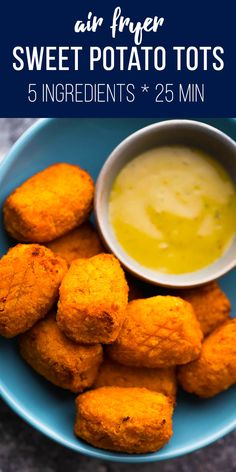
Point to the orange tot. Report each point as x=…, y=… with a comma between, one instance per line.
x=210, y=304
x=215, y=370
x=93, y=300
x=159, y=380
x=82, y=242
x=49, y=204
x=51, y=354
x=30, y=276
x=161, y=331
x=131, y=420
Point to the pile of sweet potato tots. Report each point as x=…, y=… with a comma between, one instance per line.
x=67, y=301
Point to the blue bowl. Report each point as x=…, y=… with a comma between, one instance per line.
x=88, y=142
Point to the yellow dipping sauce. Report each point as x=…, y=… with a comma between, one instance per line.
x=173, y=209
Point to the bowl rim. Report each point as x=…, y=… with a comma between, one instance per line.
x=12, y=401
x=175, y=281
x=33, y=129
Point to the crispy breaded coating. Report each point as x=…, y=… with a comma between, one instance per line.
x=132, y=420
x=161, y=331
x=64, y=363
x=215, y=370
x=159, y=380
x=49, y=204
x=93, y=299
x=30, y=276
x=82, y=242
x=210, y=304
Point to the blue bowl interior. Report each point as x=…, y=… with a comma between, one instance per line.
x=49, y=409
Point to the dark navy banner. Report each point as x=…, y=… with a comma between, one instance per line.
x=132, y=59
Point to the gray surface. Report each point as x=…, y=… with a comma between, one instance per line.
x=23, y=449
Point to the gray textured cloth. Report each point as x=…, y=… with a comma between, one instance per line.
x=23, y=449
